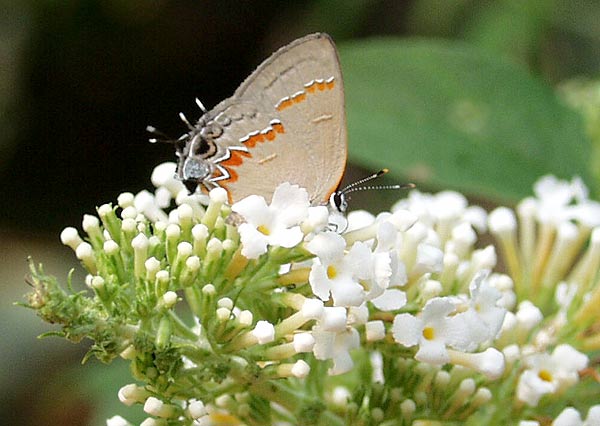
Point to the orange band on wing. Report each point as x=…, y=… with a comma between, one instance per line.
x=228, y=174
x=270, y=135
x=284, y=103
x=224, y=173
x=299, y=97
x=309, y=88
x=278, y=127
x=237, y=158
x=253, y=140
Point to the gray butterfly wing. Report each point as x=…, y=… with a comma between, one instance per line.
x=285, y=123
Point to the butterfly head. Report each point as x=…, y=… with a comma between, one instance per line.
x=338, y=202
x=195, y=151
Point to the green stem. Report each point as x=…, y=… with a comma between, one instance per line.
x=291, y=399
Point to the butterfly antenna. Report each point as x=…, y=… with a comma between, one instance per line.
x=355, y=186
x=162, y=137
x=185, y=120
x=363, y=180
x=339, y=198
x=376, y=187
x=200, y=105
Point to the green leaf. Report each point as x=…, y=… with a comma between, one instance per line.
x=514, y=28
x=448, y=115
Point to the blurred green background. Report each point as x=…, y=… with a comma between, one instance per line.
x=480, y=96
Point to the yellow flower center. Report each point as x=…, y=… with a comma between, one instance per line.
x=429, y=333
x=331, y=272
x=545, y=375
x=264, y=230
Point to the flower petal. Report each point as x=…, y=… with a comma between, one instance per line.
x=328, y=246
x=346, y=292
x=390, y=300
x=319, y=283
x=254, y=209
x=254, y=243
x=291, y=203
x=432, y=352
x=285, y=237
x=407, y=329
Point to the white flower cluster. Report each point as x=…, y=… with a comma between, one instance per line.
x=395, y=252
x=277, y=281
x=555, y=283
x=571, y=417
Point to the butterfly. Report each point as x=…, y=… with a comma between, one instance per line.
x=285, y=123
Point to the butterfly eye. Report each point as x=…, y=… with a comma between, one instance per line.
x=338, y=201
x=204, y=148
x=201, y=147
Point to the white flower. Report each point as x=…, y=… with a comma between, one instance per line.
x=334, y=271
x=484, y=306
x=390, y=300
x=117, y=421
x=336, y=346
x=276, y=224
x=158, y=408
x=334, y=319
x=445, y=206
x=553, y=191
x=490, y=362
x=147, y=204
x=357, y=276
x=504, y=284
x=528, y=315
x=387, y=238
x=164, y=178
x=303, y=342
x=384, y=269
x=588, y=213
x=593, y=416
x=131, y=394
x=317, y=219
x=429, y=259
x=374, y=330
x=502, y=221
x=70, y=237
x=334, y=338
x=264, y=332
x=196, y=408
x=532, y=387
x=462, y=239
x=358, y=315
x=433, y=330
x=550, y=373
x=554, y=197
x=340, y=396
x=359, y=219
x=568, y=417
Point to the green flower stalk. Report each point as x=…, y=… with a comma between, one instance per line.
x=263, y=314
